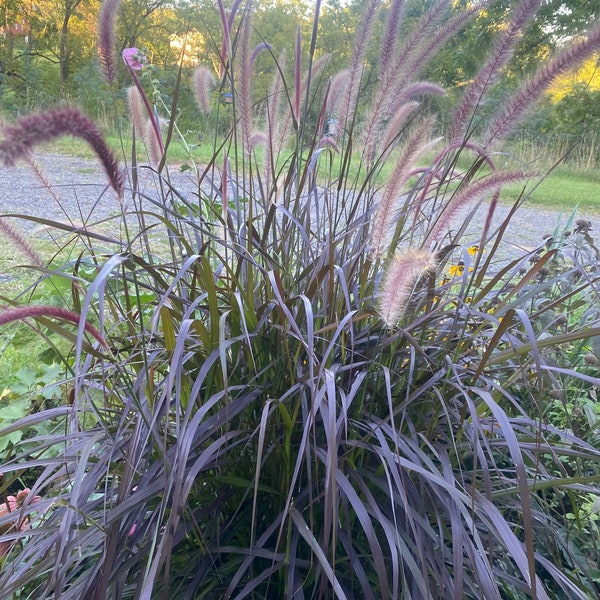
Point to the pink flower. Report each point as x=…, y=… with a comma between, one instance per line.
x=9, y=505
x=133, y=58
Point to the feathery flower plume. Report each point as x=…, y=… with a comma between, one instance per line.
x=106, y=38
x=422, y=33
x=275, y=130
x=337, y=89
x=469, y=194
x=395, y=106
x=279, y=122
x=31, y=312
x=488, y=74
x=257, y=50
x=226, y=23
x=245, y=78
x=385, y=213
x=258, y=138
x=393, y=90
x=297, y=77
x=513, y=111
x=313, y=72
x=135, y=60
x=20, y=242
x=390, y=39
x=349, y=100
x=37, y=128
x=420, y=56
x=137, y=110
x=204, y=81
x=412, y=90
x=155, y=147
x=399, y=281
x=394, y=127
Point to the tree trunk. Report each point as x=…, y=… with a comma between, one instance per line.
x=63, y=55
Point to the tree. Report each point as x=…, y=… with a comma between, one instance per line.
x=134, y=20
x=68, y=10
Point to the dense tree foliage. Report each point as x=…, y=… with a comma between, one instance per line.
x=48, y=51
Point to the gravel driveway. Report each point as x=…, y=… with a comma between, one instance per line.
x=78, y=192
x=84, y=196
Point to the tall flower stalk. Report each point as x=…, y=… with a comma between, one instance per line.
x=35, y=129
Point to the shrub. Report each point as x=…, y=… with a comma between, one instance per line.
x=293, y=387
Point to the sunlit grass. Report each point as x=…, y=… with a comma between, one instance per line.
x=562, y=189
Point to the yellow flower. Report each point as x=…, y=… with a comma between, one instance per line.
x=456, y=270
x=473, y=250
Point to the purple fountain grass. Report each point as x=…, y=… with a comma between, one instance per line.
x=468, y=194
x=419, y=55
x=302, y=82
x=134, y=63
x=144, y=127
x=154, y=145
x=31, y=312
x=257, y=50
x=417, y=88
x=226, y=24
x=398, y=82
x=489, y=73
x=204, y=81
x=275, y=134
x=39, y=172
x=399, y=281
x=20, y=242
x=37, y=128
x=393, y=129
x=137, y=111
x=279, y=120
x=244, y=80
x=513, y=111
x=349, y=99
x=297, y=75
x=391, y=37
x=315, y=70
x=337, y=90
x=106, y=39
x=387, y=128
x=413, y=42
x=385, y=212
x=225, y=50
x=419, y=36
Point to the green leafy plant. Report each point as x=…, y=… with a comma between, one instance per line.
x=291, y=393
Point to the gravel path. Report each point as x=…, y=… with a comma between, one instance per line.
x=78, y=191
x=84, y=197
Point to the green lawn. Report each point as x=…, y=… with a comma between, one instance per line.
x=564, y=188
x=561, y=189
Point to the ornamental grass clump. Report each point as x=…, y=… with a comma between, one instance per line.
x=285, y=395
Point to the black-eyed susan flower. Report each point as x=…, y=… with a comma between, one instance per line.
x=456, y=270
